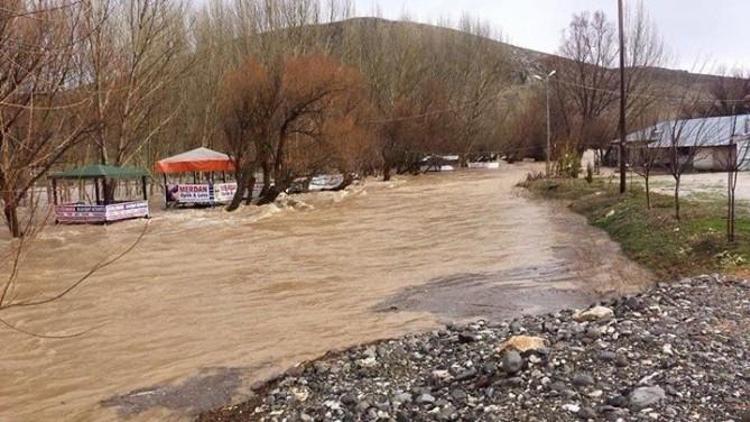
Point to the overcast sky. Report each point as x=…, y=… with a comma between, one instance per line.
x=695, y=31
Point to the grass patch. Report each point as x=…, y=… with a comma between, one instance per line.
x=653, y=237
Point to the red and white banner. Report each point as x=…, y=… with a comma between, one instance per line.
x=224, y=192
x=194, y=194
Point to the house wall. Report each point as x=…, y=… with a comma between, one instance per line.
x=743, y=154
x=718, y=158
x=660, y=158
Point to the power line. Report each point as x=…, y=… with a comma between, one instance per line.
x=653, y=97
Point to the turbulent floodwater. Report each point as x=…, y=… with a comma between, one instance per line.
x=211, y=302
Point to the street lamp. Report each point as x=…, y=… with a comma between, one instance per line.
x=549, y=124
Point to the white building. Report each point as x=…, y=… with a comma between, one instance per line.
x=709, y=144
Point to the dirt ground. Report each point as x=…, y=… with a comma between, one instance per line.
x=703, y=185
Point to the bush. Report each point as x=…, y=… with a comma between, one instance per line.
x=569, y=165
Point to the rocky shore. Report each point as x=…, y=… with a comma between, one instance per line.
x=678, y=352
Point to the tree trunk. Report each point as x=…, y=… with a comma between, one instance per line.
x=270, y=195
x=386, y=172
x=11, y=218
x=281, y=181
x=109, y=187
x=648, y=193
x=734, y=212
x=266, y=179
x=731, y=208
x=240, y=193
x=250, y=188
x=677, y=199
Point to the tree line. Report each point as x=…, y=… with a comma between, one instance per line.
x=293, y=88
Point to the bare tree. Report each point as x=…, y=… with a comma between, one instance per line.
x=684, y=138
x=483, y=70
x=131, y=61
x=41, y=109
x=643, y=156
x=267, y=109
x=248, y=102
x=585, y=84
x=737, y=160
x=585, y=88
x=308, y=90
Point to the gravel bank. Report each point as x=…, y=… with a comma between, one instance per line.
x=677, y=352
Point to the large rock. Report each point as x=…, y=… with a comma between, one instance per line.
x=523, y=344
x=583, y=379
x=644, y=397
x=426, y=399
x=597, y=313
x=512, y=361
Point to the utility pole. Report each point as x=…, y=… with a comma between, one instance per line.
x=549, y=120
x=622, y=98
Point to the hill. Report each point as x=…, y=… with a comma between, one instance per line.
x=525, y=61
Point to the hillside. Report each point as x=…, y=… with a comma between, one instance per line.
x=524, y=60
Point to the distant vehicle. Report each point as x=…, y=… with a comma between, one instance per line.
x=318, y=183
x=485, y=161
x=325, y=182
x=439, y=163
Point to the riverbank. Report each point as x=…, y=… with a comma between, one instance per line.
x=677, y=352
x=653, y=237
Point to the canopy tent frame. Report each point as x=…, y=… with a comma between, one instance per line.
x=103, y=211
x=199, y=160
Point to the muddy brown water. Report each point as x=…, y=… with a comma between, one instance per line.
x=209, y=302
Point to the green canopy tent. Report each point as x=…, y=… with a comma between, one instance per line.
x=104, y=210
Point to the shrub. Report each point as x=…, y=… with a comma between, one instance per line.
x=569, y=165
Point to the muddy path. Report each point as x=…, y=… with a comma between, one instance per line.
x=210, y=303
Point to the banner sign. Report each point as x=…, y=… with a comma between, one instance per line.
x=194, y=194
x=83, y=213
x=127, y=210
x=224, y=192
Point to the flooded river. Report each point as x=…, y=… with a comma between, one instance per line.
x=210, y=302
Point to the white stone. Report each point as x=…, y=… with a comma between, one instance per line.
x=597, y=313
x=441, y=374
x=301, y=394
x=571, y=407
x=368, y=362
x=643, y=397
x=332, y=404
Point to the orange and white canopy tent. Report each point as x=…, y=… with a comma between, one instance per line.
x=197, y=160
